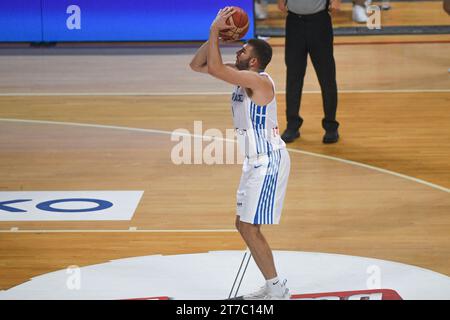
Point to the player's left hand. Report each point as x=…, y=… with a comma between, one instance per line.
x=335, y=5
x=220, y=22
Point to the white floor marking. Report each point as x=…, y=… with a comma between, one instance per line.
x=16, y=230
x=229, y=140
x=210, y=93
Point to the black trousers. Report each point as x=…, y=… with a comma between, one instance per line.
x=313, y=35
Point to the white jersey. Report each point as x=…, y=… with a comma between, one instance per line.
x=256, y=126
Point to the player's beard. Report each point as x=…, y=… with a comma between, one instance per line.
x=243, y=64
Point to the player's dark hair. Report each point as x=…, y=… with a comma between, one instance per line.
x=262, y=51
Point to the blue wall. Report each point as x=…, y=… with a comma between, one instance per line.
x=20, y=20
x=111, y=20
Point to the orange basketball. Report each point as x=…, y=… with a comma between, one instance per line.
x=239, y=25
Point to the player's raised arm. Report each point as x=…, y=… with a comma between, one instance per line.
x=199, y=61
x=217, y=68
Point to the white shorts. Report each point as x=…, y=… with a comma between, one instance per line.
x=262, y=188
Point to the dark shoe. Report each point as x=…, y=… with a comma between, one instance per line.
x=290, y=135
x=331, y=137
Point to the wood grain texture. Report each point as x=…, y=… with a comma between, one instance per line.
x=331, y=206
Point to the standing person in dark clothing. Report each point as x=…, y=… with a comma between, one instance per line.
x=447, y=6
x=309, y=31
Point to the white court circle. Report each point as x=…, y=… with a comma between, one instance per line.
x=210, y=275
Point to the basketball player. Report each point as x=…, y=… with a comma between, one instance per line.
x=266, y=166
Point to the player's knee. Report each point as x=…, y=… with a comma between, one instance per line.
x=248, y=230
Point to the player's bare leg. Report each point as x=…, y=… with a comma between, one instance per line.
x=262, y=254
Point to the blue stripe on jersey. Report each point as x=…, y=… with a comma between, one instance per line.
x=258, y=119
x=257, y=219
x=264, y=211
x=262, y=206
x=272, y=198
x=272, y=187
x=263, y=116
x=263, y=131
x=260, y=138
x=252, y=117
x=256, y=126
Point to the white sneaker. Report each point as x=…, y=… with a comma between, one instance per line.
x=260, y=11
x=359, y=14
x=264, y=293
x=385, y=5
x=257, y=295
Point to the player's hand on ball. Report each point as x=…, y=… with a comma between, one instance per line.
x=220, y=22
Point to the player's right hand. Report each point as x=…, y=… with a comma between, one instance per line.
x=220, y=22
x=282, y=5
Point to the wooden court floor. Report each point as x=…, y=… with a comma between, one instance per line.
x=68, y=121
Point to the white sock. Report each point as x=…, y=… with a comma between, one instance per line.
x=274, y=285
